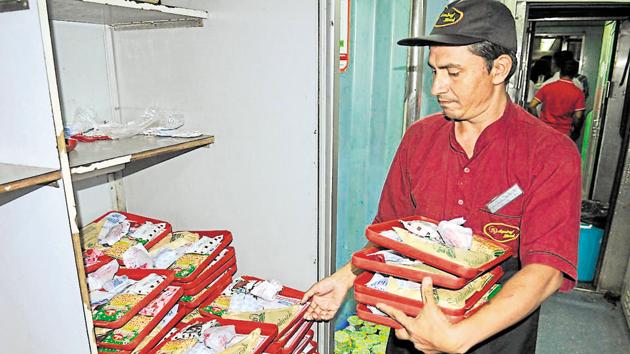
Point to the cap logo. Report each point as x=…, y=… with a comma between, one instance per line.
x=449, y=17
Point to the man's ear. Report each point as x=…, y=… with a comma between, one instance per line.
x=501, y=68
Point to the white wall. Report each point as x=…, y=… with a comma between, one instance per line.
x=249, y=76
x=25, y=113
x=40, y=302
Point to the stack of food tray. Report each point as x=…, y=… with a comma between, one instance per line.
x=294, y=332
x=181, y=304
x=464, y=280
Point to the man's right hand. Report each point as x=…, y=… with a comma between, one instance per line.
x=327, y=295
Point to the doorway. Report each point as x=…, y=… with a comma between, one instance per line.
x=597, y=36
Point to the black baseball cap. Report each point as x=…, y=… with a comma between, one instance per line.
x=466, y=22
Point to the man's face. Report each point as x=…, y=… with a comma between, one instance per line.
x=461, y=82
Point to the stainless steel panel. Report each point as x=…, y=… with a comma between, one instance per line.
x=611, y=139
x=414, y=66
x=600, y=93
x=617, y=253
x=625, y=295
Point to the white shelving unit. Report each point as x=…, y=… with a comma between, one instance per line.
x=47, y=292
x=263, y=181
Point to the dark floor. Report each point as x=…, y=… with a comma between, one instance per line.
x=582, y=322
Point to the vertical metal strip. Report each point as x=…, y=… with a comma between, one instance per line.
x=328, y=150
x=112, y=73
x=413, y=85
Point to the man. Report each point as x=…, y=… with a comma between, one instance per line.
x=454, y=163
x=563, y=103
x=559, y=57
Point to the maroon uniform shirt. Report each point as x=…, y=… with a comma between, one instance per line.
x=432, y=176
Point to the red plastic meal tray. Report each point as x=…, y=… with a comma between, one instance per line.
x=409, y=306
x=268, y=331
x=295, y=340
x=304, y=343
x=290, y=293
x=313, y=350
x=289, y=341
x=102, y=351
x=209, y=274
x=227, y=239
x=215, y=288
x=373, y=234
x=136, y=221
x=365, y=314
x=219, y=269
x=148, y=328
x=375, y=263
x=286, y=292
x=282, y=340
x=101, y=261
x=181, y=313
x=137, y=274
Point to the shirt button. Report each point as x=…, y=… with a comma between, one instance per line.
x=466, y=169
x=460, y=202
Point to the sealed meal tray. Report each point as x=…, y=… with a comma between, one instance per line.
x=204, y=247
x=118, y=309
x=101, y=350
x=115, y=232
x=158, y=333
x=288, y=333
x=311, y=348
x=227, y=255
x=301, y=348
x=389, y=262
x=213, y=289
x=483, y=255
x=297, y=338
x=406, y=296
x=251, y=337
x=132, y=333
x=290, y=340
x=364, y=311
x=286, y=316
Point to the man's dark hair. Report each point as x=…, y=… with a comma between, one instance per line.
x=569, y=68
x=490, y=51
x=541, y=67
x=561, y=56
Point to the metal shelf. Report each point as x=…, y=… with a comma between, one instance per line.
x=123, y=14
x=105, y=156
x=14, y=177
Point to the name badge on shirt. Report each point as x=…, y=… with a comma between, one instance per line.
x=504, y=198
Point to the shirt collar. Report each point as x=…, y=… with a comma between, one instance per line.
x=493, y=132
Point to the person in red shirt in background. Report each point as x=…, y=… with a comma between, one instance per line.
x=563, y=104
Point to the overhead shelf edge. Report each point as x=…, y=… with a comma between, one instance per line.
x=103, y=155
x=15, y=177
x=123, y=14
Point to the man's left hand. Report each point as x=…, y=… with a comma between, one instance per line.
x=430, y=331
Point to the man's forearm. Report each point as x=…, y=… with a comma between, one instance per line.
x=519, y=297
x=348, y=272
